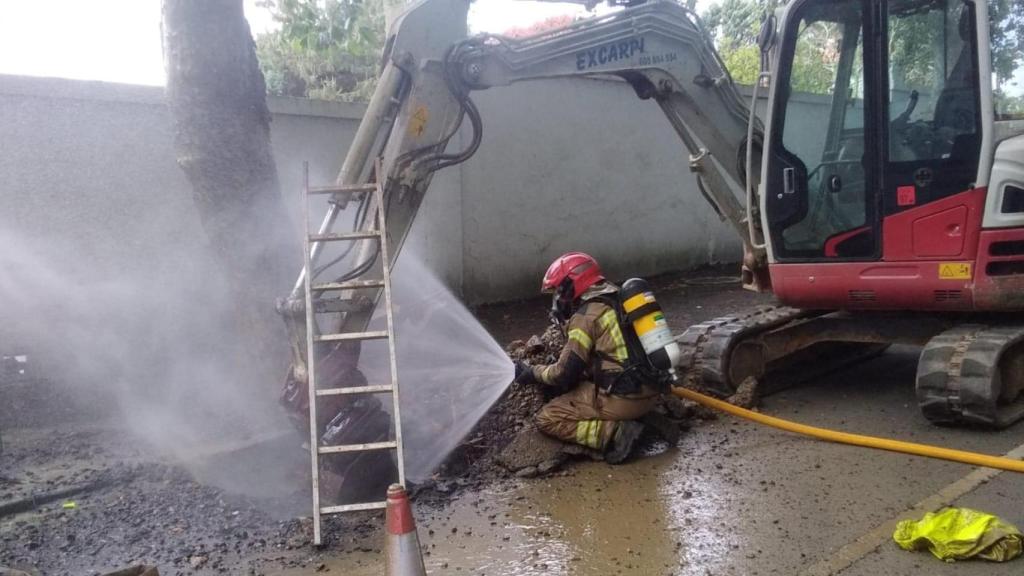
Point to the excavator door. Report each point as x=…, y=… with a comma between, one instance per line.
x=873, y=151
x=821, y=191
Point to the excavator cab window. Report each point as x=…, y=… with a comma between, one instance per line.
x=1007, y=62
x=820, y=200
x=933, y=120
x=864, y=130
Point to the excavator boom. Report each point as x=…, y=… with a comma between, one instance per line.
x=423, y=98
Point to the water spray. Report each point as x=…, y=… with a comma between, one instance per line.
x=450, y=368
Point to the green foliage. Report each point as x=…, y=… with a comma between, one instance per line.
x=1007, y=35
x=816, y=60
x=912, y=64
x=324, y=49
x=743, y=62
x=734, y=24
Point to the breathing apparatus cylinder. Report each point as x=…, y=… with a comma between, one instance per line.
x=644, y=313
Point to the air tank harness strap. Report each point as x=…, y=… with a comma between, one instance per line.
x=634, y=313
x=939, y=452
x=628, y=354
x=629, y=382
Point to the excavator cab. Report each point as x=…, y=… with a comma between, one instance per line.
x=866, y=130
x=887, y=201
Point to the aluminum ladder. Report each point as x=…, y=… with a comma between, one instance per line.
x=313, y=338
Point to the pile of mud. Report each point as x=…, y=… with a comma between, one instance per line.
x=505, y=442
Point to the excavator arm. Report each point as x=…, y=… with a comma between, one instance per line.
x=660, y=49
x=423, y=99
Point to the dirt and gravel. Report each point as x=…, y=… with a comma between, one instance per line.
x=135, y=506
x=505, y=440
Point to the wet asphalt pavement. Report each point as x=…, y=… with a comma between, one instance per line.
x=733, y=498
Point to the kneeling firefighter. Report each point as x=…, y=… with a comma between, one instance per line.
x=618, y=358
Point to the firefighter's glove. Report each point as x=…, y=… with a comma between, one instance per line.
x=524, y=373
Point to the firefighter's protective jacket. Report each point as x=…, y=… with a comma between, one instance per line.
x=594, y=348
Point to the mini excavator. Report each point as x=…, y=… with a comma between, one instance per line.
x=881, y=198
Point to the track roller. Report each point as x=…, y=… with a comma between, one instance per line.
x=707, y=347
x=973, y=374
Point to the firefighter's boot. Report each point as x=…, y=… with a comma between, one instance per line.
x=627, y=433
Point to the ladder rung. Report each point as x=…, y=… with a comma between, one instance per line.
x=350, y=285
x=357, y=447
x=354, y=390
x=336, y=189
x=354, y=507
x=346, y=236
x=377, y=335
x=328, y=305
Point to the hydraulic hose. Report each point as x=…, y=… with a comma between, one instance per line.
x=961, y=456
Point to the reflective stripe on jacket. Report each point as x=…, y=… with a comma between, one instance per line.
x=594, y=342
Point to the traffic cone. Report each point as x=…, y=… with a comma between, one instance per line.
x=403, y=546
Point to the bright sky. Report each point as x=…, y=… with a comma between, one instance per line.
x=119, y=40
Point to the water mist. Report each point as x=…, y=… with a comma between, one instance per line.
x=450, y=369
x=158, y=342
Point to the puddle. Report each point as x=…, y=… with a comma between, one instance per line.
x=596, y=520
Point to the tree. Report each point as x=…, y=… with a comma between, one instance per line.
x=734, y=24
x=217, y=99
x=1007, y=36
x=324, y=49
x=816, y=59
x=742, y=62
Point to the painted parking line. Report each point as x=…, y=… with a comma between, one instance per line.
x=854, y=551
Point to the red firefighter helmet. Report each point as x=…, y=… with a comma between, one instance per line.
x=580, y=269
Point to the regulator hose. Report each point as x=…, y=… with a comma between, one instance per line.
x=962, y=456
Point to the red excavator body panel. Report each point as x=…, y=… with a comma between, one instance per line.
x=934, y=257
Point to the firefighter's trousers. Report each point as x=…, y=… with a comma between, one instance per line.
x=589, y=417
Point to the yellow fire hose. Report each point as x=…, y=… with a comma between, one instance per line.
x=962, y=456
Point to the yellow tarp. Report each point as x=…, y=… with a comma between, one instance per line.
x=960, y=533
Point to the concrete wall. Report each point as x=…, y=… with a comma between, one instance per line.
x=806, y=131
x=570, y=164
x=85, y=167
x=576, y=164
x=90, y=166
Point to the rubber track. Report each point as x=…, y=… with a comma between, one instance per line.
x=706, y=346
x=958, y=378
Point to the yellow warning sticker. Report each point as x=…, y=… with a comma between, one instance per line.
x=955, y=271
x=418, y=122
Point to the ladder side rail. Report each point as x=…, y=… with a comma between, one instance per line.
x=314, y=439
x=393, y=361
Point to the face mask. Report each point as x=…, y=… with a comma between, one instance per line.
x=561, y=303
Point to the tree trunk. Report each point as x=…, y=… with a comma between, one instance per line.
x=217, y=98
